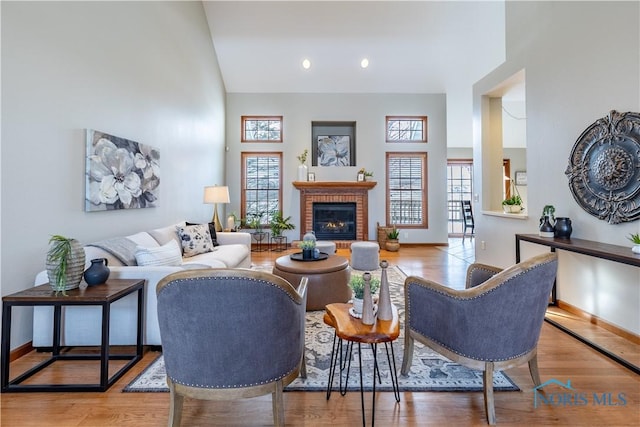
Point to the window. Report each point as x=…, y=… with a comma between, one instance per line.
x=261, y=185
x=407, y=189
x=407, y=129
x=459, y=187
x=261, y=129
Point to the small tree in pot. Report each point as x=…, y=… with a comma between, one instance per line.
x=279, y=223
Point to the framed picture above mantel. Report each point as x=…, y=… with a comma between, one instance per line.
x=333, y=144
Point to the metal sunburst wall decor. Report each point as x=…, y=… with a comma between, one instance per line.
x=604, y=168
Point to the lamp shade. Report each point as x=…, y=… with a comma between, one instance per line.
x=216, y=194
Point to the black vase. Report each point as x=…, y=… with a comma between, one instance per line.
x=546, y=229
x=98, y=272
x=307, y=254
x=563, y=228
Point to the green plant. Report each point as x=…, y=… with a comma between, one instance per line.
x=356, y=283
x=307, y=244
x=58, y=254
x=548, y=210
x=513, y=200
x=365, y=172
x=302, y=158
x=254, y=220
x=393, y=234
x=279, y=223
x=635, y=238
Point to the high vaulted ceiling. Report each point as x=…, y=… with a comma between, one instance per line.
x=412, y=47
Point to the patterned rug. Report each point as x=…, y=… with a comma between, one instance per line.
x=429, y=370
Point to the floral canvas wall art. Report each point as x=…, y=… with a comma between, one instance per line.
x=120, y=173
x=334, y=150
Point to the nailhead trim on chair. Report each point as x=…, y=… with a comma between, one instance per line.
x=251, y=279
x=235, y=385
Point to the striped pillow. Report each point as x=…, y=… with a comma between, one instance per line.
x=168, y=254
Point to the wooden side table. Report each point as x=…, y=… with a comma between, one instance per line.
x=352, y=330
x=101, y=295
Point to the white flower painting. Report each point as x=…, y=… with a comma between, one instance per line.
x=334, y=151
x=120, y=174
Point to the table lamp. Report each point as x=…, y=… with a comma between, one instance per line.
x=214, y=195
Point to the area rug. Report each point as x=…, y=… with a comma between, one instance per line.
x=429, y=370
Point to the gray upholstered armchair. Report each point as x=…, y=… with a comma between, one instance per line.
x=494, y=324
x=229, y=334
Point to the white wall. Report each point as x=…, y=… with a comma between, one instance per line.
x=574, y=76
x=145, y=71
x=368, y=111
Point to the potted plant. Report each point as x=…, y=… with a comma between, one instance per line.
x=365, y=173
x=512, y=204
x=635, y=239
x=545, y=228
x=308, y=247
x=392, y=244
x=356, y=283
x=279, y=223
x=302, y=167
x=65, y=263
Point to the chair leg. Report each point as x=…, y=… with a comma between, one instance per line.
x=407, y=357
x=277, y=401
x=533, y=369
x=175, y=406
x=303, y=366
x=489, y=404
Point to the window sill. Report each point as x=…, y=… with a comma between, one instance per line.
x=506, y=215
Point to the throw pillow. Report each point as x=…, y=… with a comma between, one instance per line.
x=168, y=254
x=212, y=231
x=195, y=239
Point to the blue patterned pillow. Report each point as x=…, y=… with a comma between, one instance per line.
x=195, y=239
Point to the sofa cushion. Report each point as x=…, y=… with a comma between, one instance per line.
x=169, y=254
x=165, y=234
x=231, y=256
x=212, y=231
x=195, y=239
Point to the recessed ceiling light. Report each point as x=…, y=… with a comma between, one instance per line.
x=306, y=64
x=364, y=63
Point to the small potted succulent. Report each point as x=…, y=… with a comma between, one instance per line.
x=392, y=244
x=308, y=248
x=356, y=283
x=635, y=239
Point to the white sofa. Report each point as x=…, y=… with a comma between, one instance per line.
x=81, y=325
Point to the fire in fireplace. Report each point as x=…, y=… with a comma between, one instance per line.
x=334, y=221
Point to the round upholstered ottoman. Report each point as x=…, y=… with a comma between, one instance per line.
x=326, y=246
x=328, y=278
x=365, y=255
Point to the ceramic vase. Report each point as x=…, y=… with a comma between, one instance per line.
x=563, y=228
x=635, y=249
x=546, y=229
x=384, y=297
x=367, y=301
x=302, y=173
x=98, y=272
x=357, y=306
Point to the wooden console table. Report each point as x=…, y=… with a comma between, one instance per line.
x=101, y=295
x=615, y=253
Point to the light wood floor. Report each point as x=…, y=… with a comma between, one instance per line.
x=560, y=357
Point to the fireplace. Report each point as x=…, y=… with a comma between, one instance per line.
x=333, y=192
x=334, y=221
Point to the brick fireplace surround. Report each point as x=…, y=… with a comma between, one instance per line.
x=335, y=192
